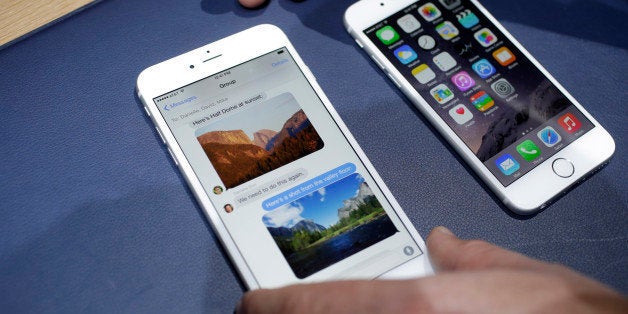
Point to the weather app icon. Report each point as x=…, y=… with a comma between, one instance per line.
x=405, y=54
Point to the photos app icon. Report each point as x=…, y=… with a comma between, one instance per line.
x=429, y=12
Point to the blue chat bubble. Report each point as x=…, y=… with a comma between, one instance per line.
x=309, y=186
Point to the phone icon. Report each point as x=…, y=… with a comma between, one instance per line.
x=507, y=164
x=442, y=93
x=485, y=37
x=570, y=123
x=405, y=54
x=549, y=136
x=447, y=30
x=484, y=68
x=528, y=150
x=387, y=35
x=429, y=12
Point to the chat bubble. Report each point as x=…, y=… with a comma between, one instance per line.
x=210, y=112
x=309, y=186
x=269, y=187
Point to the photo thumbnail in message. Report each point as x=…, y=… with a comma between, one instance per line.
x=328, y=225
x=258, y=140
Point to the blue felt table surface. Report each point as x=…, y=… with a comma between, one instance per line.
x=95, y=217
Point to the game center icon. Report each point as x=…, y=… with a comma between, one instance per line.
x=485, y=37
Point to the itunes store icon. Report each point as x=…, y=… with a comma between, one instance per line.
x=461, y=114
x=463, y=81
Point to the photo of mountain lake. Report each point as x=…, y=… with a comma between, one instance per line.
x=328, y=225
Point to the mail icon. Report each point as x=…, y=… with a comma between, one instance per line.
x=507, y=164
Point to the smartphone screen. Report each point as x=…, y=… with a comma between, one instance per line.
x=290, y=189
x=507, y=112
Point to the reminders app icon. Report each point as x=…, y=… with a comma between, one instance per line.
x=507, y=164
x=405, y=54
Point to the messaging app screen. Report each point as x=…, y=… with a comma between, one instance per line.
x=481, y=85
x=294, y=195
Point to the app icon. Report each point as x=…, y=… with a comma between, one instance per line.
x=507, y=164
x=447, y=30
x=429, y=12
x=528, y=150
x=450, y=4
x=463, y=81
x=504, y=56
x=405, y=54
x=461, y=114
x=387, y=35
x=482, y=101
x=467, y=19
x=503, y=88
x=483, y=68
x=570, y=123
x=464, y=50
x=549, y=136
x=408, y=23
x=423, y=73
x=444, y=61
x=442, y=93
x=485, y=37
x=426, y=42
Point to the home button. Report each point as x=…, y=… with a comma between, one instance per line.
x=563, y=167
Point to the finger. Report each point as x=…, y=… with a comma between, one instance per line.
x=336, y=297
x=251, y=4
x=448, y=253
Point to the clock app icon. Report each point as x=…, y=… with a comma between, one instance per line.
x=426, y=42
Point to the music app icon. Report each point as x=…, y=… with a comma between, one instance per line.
x=570, y=123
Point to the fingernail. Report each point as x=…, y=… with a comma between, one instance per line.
x=444, y=230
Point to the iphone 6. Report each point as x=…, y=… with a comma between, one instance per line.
x=510, y=120
x=283, y=183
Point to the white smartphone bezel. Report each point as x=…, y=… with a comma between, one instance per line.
x=534, y=190
x=219, y=56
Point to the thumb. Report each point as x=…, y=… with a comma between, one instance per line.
x=450, y=253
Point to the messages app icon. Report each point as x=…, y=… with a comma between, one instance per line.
x=387, y=35
x=405, y=54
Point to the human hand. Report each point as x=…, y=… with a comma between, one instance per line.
x=472, y=276
x=252, y=4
